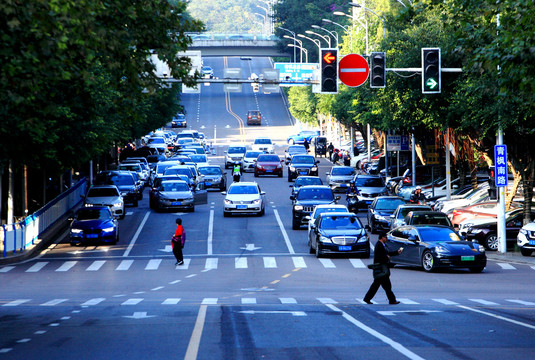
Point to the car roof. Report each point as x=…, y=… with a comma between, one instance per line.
x=94, y=208
x=368, y=176
x=102, y=186
x=244, y=183
x=427, y=212
x=346, y=213
x=335, y=206
x=175, y=181
x=315, y=187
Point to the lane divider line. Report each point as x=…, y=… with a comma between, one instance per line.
x=284, y=233
x=136, y=235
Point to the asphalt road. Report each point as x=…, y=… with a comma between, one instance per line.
x=249, y=288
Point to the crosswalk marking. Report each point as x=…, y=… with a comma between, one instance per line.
x=67, y=265
x=299, y=262
x=133, y=301
x=171, y=301
x=328, y=263
x=248, y=301
x=209, y=301
x=506, y=266
x=184, y=266
x=93, y=302
x=211, y=263
x=124, y=265
x=240, y=263
x=5, y=269
x=53, y=302
x=288, y=301
x=96, y=265
x=445, y=301
x=407, y=301
x=37, y=267
x=16, y=302
x=326, y=301
x=153, y=264
x=521, y=302
x=533, y=267
x=357, y=263
x=483, y=302
x=270, y=262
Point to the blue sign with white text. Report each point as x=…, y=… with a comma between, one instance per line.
x=397, y=143
x=296, y=72
x=500, y=165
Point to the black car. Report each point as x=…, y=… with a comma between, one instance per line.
x=303, y=181
x=380, y=210
x=338, y=233
x=153, y=192
x=125, y=181
x=428, y=218
x=435, y=246
x=302, y=165
x=214, y=177
x=306, y=199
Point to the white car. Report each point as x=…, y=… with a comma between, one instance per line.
x=263, y=144
x=244, y=198
x=526, y=239
x=319, y=209
x=234, y=154
x=137, y=168
x=249, y=160
x=199, y=159
x=106, y=195
x=475, y=196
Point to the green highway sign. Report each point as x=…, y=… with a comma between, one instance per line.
x=431, y=83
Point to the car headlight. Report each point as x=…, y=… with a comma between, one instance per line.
x=257, y=201
x=441, y=250
x=481, y=248
x=228, y=202
x=292, y=168
x=379, y=217
x=363, y=239
x=77, y=231
x=108, y=229
x=89, y=205
x=475, y=231
x=325, y=239
x=314, y=168
x=524, y=231
x=298, y=207
x=118, y=204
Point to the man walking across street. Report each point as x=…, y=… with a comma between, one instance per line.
x=381, y=273
x=330, y=149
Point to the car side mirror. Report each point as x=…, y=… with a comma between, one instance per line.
x=338, y=197
x=367, y=228
x=327, y=173
x=292, y=197
x=262, y=193
x=223, y=193
x=312, y=226
x=71, y=218
x=317, y=162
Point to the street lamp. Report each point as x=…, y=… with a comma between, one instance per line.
x=315, y=41
x=324, y=37
x=346, y=29
x=334, y=34
x=264, y=20
x=300, y=46
x=374, y=13
x=303, y=50
x=364, y=25
x=293, y=34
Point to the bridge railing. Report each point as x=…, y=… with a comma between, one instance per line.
x=214, y=36
x=18, y=236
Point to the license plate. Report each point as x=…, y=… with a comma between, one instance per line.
x=532, y=242
x=241, y=207
x=176, y=203
x=467, y=258
x=208, y=183
x=269, y=171
x=91, y=236
x=302, y=172
x=344, y=248
x=343, y=185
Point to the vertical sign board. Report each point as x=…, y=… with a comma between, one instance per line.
x=397, y=143
x=500, y=164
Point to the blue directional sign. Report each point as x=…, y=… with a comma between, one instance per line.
x=500, y=165
x=296, y=72
x=397, y=143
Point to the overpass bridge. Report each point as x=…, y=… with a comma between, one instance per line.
x=236, y=45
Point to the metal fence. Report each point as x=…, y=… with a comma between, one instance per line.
x=18, y=236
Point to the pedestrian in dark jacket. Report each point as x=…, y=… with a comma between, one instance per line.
x=356, y=151
x=177, y=243
x=347, y=159
x=306, y=144
x=330, y=149
x=381, y=256
x=336, y=156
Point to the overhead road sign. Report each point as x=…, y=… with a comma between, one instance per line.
x=353, y=70
x=296, y=73
x=232, y=73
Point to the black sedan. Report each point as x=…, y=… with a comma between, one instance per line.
x=302, y=165
x=380, y=210
x=304, y=180
x=338, y=233
x=435, y=246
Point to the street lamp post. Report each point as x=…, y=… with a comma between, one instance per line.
x=346, y=29
x=334, y=34
x=315, y=41
x=374, y=13
x=293, y=34
x=294, y=46
x=324, y=37
x=264, y=19
x=302, y=50
x=363, y=25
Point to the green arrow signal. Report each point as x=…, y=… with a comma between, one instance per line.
x=431, y=83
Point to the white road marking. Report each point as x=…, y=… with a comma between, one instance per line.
x=445, y=301
x=174, y=282
x=209, y=250
x=96, y=265
x=65, y=318
x=39, y=332
x=357, y=263
x=506, y=266
x=53, y=324
x=328, y=263
x=136, y=235
x=240, y=263
x=5, y=269
x=129, y=213
x=270, y=262
x=209, y=301
x=93, y=302
x=67, y=265
x=533, y=267
x=54, y=302
x=362, y=301
x=21, y=341
x=326, y=301
x=134, y=301
x=37, y=267
x=211, y=263
x=483, y=302
x=395, y=345
x=157, y=288
x=153, y=264
x=5, y=350
x=191, y=275
x=171, y=301
x=498, y=317
x=288, y=301
x=407, y=301
x=522, y=302
x=248, y=301
x=184, y=266
x=299, y=262
x=124, y=265
x=284, y=234
x=393, y=313
x=16, y=302
x=195, y=339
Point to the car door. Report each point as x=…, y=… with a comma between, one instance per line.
x=413, y=248
x=513, y=226
x=396, y=240
x=200, y=194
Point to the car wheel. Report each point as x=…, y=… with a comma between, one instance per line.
x=192, y=209
x=225, y=214
x=73, y=244
x=428, y=262
x=491, y=242
x=122, y=216
x=318, y=251
x=373, y=230
x=255, y=174
x=526, y=252
x=262, y=212
x=477, y=269
x=140, y=197
x=310, y=248
x=136, y=203
x=295, y=225
x=280, y=174
x=116, y=237
x=366, y=255
x=289, y=178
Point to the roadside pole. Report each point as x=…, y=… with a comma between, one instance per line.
x=502, y=244
x=413, y=160
x=448, y=170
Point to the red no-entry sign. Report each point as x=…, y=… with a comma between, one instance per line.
x=353, y=70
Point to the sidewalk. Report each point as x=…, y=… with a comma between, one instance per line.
x=511, y=256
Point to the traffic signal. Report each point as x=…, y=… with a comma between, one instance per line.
x=493, y=193
x=329, y=71
x=431, y=73
x=378, y=70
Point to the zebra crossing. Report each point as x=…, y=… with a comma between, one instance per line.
x=259, y=301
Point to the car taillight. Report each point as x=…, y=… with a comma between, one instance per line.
x=456, y=212
x=407, y=180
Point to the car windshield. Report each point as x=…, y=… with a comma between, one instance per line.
x=120, y=179
x=174, y=186
x=236, y=150
x=405, y=211
x=210, y=170
x=180, y=116
x=369, y=182
x=155, y=158
x=160, y=168
x=342, y=171
x=430, y=234
x=297, y=149
x=93, y=214
x=430, y=219
x=157, y=140
x=129, y=167
x=388, y=204
x=302, y=181
x=307, y=133
x=198, y=158
x=243, y=189
x=331, y=222
x=102, y=192
x=179, y=171
x=315, y=194
x=262, y=141
x=303, y=160
x=252, y=154
x=268, y=158
x=320, y=211
x=184, y=136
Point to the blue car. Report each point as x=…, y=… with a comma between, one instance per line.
x=94, y=224
x=301, y=136
x=179, y=121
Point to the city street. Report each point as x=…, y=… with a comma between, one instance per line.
x=249, y=288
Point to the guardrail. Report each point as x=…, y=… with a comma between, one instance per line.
x=18, y=236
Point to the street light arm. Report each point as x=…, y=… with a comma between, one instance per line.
x=324, y=37
x=373, y=12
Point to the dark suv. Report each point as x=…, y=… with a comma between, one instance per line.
x=302, y=165
x=254, y=117
x=306, y=199
x=130, y=189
